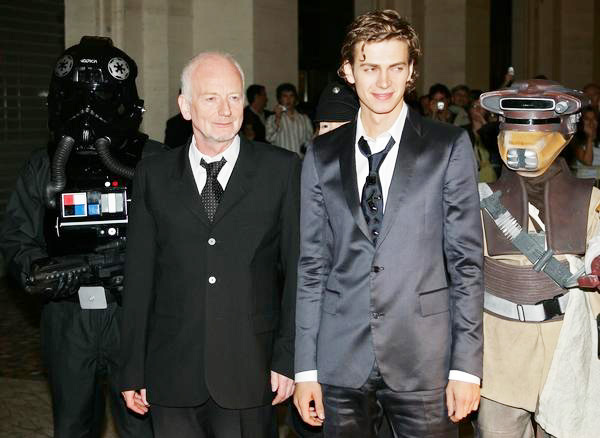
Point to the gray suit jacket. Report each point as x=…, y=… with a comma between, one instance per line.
x=413, y=301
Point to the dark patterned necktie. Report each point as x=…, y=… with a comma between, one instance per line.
x=212, y=192
x=372, y=195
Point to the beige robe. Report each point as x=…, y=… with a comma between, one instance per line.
x=517, y=356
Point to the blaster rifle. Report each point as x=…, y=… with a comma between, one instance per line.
x=105, y=266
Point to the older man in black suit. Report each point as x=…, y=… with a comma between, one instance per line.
x=208, y=324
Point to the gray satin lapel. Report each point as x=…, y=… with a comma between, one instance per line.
x=408, y=151
x=348, y=175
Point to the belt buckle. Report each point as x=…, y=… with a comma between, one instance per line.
x=551, y=307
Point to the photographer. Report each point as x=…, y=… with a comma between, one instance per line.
x=65, y=228
x=439, y=101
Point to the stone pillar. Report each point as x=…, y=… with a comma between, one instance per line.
x=576, y=44
x=454, y=35
x=444, y=43
x=557, y=38
x=162, y=36
x=275, y=48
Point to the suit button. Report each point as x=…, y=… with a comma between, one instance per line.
x=211, y=241
x=377, y=315
x=212, y=280
x=377, y=269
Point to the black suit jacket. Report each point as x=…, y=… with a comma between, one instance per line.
x=183, y=337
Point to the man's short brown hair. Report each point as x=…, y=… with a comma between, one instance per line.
x=382, y=25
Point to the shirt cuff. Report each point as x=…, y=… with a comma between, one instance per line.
x=306, y=376
x=461, y=376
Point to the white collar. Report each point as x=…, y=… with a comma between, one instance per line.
x=395, y=130
x=230, y=154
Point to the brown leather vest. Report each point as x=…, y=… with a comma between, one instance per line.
x=566, y=199
x=566, y=204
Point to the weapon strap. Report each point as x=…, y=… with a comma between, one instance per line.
x=542, y=260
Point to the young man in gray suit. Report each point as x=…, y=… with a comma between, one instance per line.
x=390, y=295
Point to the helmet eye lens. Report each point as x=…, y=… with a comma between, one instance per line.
x=89, y=75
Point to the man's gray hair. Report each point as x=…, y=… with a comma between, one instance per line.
x=186, y=74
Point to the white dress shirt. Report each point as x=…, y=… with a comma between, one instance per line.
x=230, y=154
x=386, y=172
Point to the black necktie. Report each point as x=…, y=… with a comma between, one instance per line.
x=212, y=192
x=372, y=195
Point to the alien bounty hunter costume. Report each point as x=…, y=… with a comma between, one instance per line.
x=65, y=227
x=539, y=222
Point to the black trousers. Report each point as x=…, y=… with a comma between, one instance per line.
x=351, y=413
x=80, y=350
x=210, y=420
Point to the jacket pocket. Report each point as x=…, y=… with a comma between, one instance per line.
x=266, y=322
x=434, y=301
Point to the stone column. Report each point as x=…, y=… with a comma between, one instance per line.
x=558, y=39
x=162, y=36
x=275, y=47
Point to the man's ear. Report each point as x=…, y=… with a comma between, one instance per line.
x=348, y=73
x=184, y=107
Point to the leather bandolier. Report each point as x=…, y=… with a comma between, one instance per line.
x=564, y=213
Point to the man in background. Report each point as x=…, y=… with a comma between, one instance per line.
x=178, y=130
x=255, y=114
x=287, y=127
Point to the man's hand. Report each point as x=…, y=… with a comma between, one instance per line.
x=462, y=398
x=307, y=392
x=283, y=385
x=136, y=401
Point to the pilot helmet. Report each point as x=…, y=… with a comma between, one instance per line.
x=93, y=95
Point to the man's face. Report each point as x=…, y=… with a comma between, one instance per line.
x=460, y=98
x=216, y=106
x=380, y=72
x=287, y=99
x=590, y=122
x=260, y=100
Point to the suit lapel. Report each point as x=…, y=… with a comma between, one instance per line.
x=408, y=150
x=187, y=190
x=348, y=176
x=240, y=181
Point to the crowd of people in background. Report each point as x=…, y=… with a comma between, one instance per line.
x=287, y=126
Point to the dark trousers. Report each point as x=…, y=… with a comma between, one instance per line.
x=80, y=350
x=209, y=420
x=359, y=412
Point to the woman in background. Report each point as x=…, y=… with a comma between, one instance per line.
x=586, y=146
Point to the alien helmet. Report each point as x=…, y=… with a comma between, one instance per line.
x=537, y=120
x=93, y=95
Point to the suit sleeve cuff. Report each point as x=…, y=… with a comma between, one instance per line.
x=461, y=376
x=306, y=376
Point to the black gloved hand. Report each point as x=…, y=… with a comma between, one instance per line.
x=54, y=286
x=67, y=286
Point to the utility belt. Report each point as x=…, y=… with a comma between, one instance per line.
x=521, y=293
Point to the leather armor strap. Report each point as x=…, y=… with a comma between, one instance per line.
x=542, y=260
